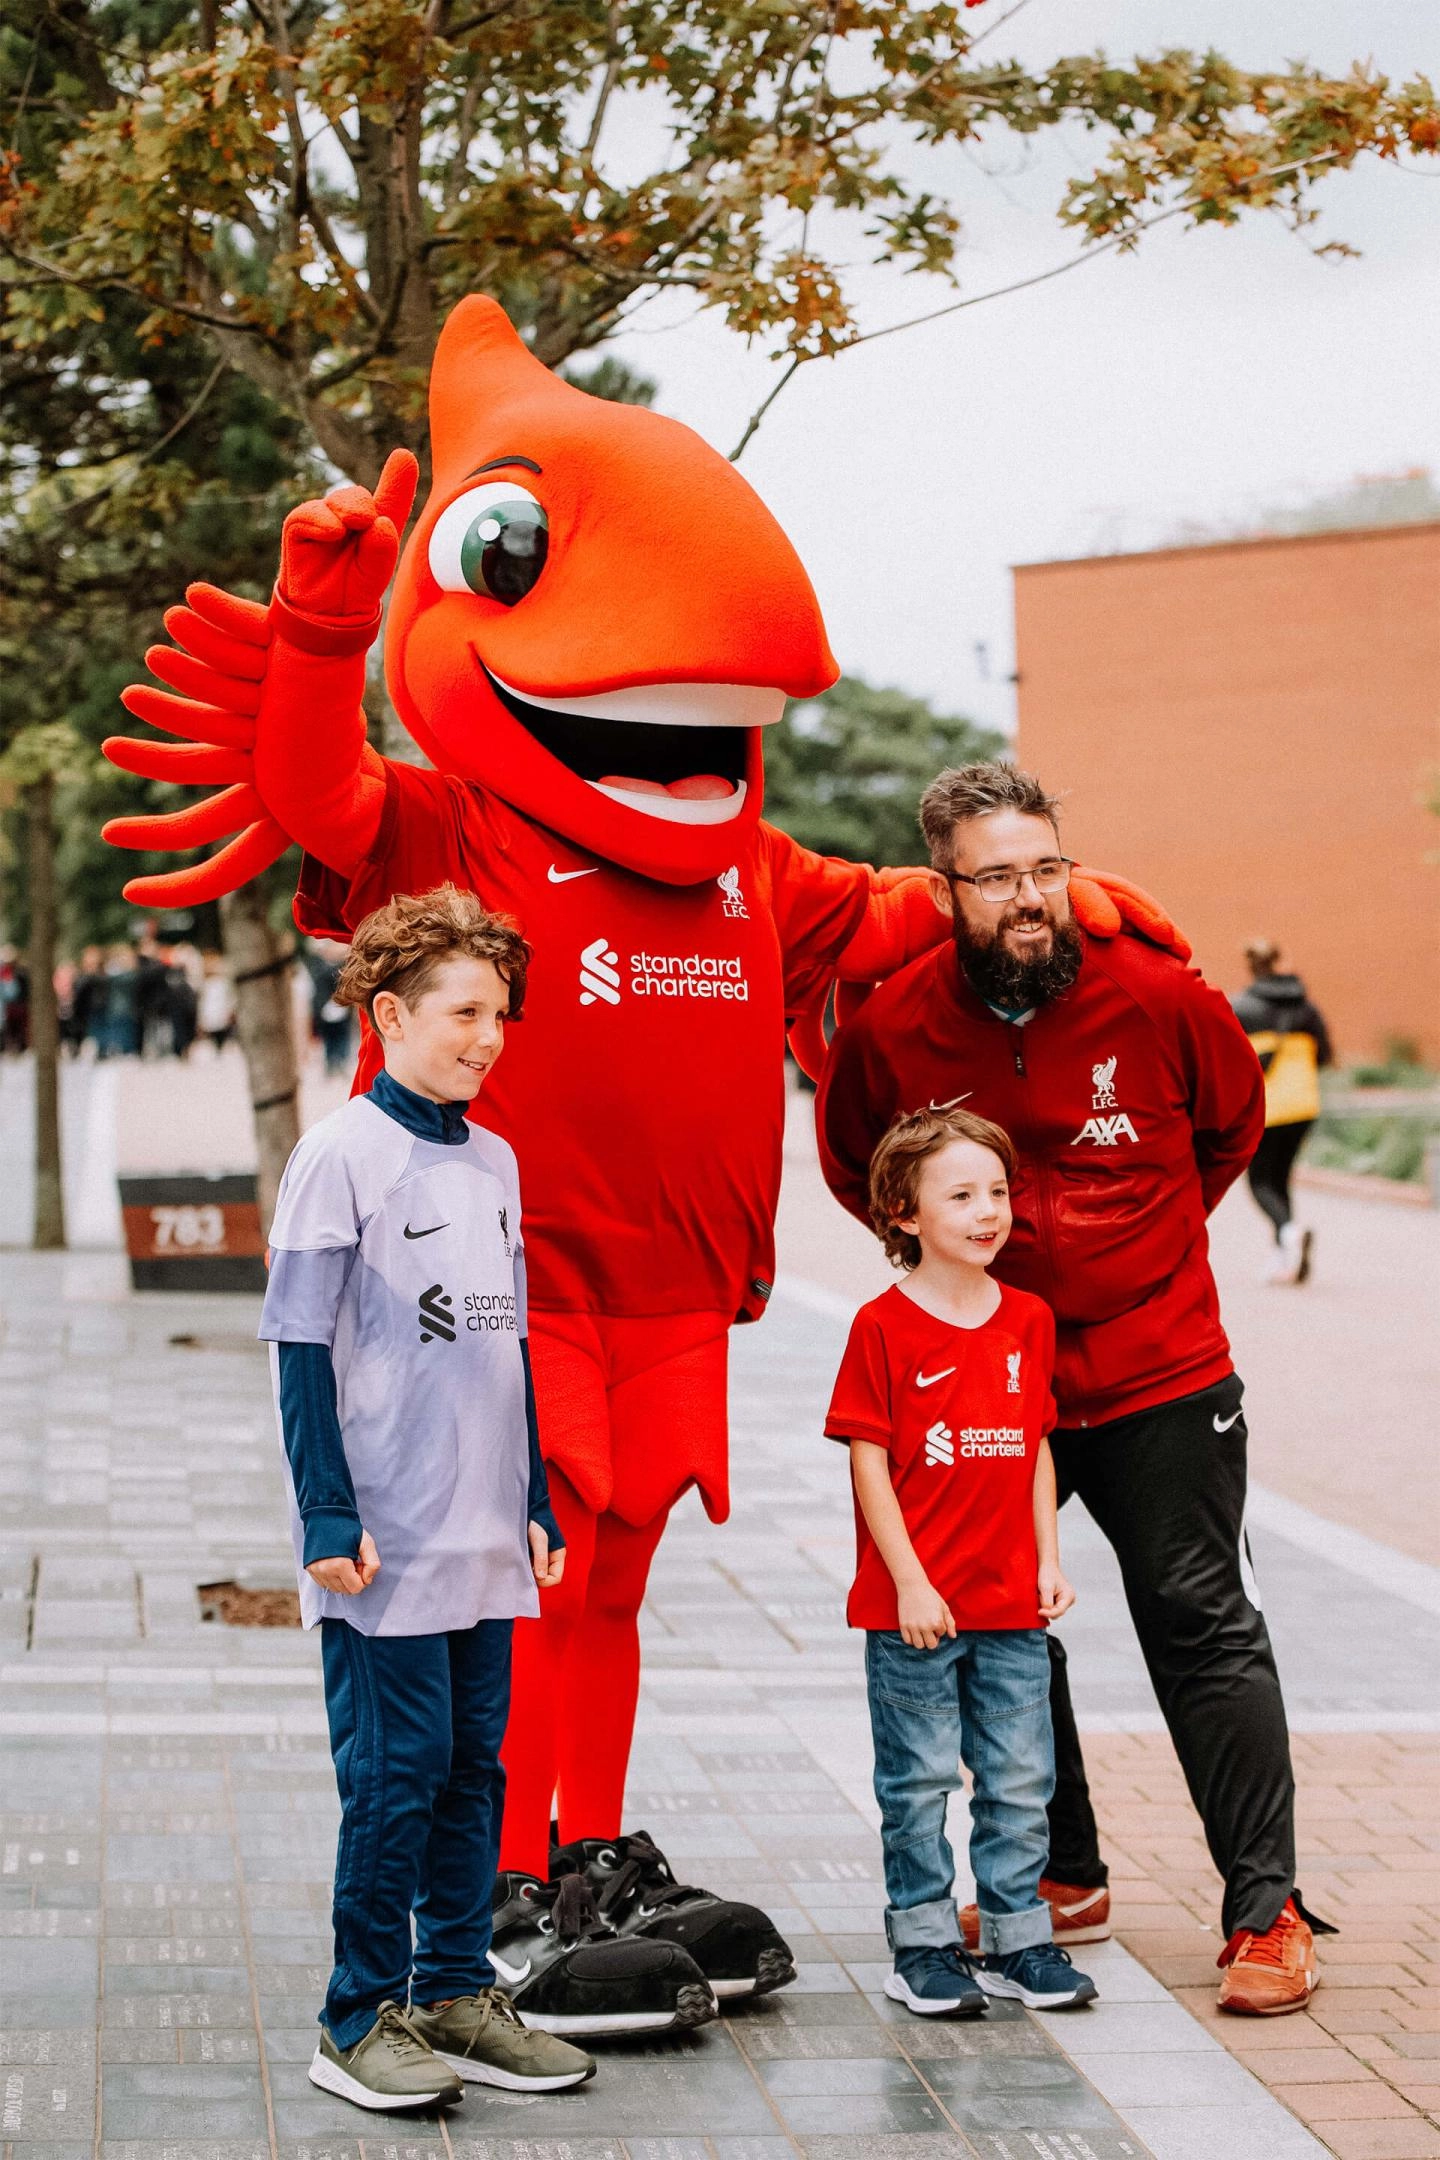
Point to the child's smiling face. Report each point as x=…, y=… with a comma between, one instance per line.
x=445, y=1044
x=962, y=1208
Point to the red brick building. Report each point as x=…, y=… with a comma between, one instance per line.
x=1252, y=730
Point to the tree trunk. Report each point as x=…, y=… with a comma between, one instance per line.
x=45, y=1017
x=260, y=967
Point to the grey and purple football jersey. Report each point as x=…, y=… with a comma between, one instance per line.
x=405, y=1257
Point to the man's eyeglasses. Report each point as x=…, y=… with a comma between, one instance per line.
x=998, y=886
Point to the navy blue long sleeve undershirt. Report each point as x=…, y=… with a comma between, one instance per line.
x=309, y=1413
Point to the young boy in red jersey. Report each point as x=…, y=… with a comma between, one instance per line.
x=944, y=1398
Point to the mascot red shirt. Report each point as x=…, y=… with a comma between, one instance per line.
x=592, y=623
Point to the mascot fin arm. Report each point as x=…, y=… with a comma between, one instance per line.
x=315, y=770
x=217, y=669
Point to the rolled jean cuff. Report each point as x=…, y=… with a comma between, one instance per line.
x=1005, y=1932
x=916, y=1927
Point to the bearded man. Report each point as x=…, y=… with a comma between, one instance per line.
x=1135, y=1101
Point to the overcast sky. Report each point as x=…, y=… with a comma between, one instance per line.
x=1203, y=378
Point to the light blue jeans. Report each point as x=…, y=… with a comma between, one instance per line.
x=983, y=1698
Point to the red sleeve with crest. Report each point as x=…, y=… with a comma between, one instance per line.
x=818, y=901
x=417, y=847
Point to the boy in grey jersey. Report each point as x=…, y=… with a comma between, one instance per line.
x=419, y=1506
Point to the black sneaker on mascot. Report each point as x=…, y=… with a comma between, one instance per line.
x=567, y=1971
x=737, y=1947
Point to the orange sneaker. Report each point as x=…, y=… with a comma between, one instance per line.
x=1270, y=1974
x=1077, y=1915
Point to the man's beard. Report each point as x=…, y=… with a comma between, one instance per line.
x=1018, y=981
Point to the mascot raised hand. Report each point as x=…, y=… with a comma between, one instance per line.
x=592, y=623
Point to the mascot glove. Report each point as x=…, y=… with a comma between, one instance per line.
x=337, y=557
x=1104, y=905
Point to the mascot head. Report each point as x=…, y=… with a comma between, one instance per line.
x=595, y=615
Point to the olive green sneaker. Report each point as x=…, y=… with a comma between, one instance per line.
x=391, y=2067
x=486, y=2041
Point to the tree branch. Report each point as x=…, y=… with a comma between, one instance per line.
x=607, y=83
x=145, y=457
x=1000, y=292
x=302, y=195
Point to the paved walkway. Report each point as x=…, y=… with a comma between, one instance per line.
x=167, y=1811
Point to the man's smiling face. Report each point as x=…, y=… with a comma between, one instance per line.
x=1020, y=950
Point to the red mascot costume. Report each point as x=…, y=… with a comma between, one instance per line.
x=593, y=621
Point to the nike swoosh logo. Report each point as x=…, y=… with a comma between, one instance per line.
x=513, y=1973
x=563, y=877
x=426, y=1233
x=929, y=1379
x=1224, y=1424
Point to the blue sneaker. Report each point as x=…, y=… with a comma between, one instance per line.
x=936, y=1982
x=1041, y=1977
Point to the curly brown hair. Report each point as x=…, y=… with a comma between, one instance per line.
x=963, y=792
x=895, y=1168
x=403, y=945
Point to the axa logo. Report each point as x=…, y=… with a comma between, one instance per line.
x=729, y=883
x=1102, y=1079
x=599, y=976
x=1106, y=1131
x=437, y=1314
x=940, y=1444
x=1012, y=1369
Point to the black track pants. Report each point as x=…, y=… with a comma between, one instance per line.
x=1270, y=1168
x=1167, y=1487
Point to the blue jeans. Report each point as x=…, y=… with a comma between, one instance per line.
x=416, y=1723
x=983, y=1698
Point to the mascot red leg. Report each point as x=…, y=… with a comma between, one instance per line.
x=604, y=1390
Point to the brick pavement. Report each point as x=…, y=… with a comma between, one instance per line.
x=166, y=1806
x=1341, y=1386
x=167, y=1811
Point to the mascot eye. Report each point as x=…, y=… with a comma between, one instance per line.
x=491, y=540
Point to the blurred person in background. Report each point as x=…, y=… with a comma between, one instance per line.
x=334, y=1024
x=1292, y=1044
x=152, y=996
x=118, y=1033
x=65, y=977
x=217, y=1003
x=87, y=1000
x=182, y=1003
x=14, y=1002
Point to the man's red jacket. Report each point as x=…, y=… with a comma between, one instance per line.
x=1135, y=1101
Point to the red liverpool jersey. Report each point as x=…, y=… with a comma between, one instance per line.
x=961, y=1413
x=643, y=1090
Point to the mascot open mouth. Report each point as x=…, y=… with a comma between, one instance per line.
x=669, y=750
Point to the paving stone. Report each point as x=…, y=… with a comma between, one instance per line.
x=166, y=2012
x=504, y=2148
x=189, y=2100
x=63, y=2049
x=861, y=2074
x=183, y=2149
x=47, y=2100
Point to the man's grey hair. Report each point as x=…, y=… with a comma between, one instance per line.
x=963, y=792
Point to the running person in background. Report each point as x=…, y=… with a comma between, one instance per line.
x=1292, y=1042
x=1134, y=1102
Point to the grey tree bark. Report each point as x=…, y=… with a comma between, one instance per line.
x=39, y=797
x=260, y=962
